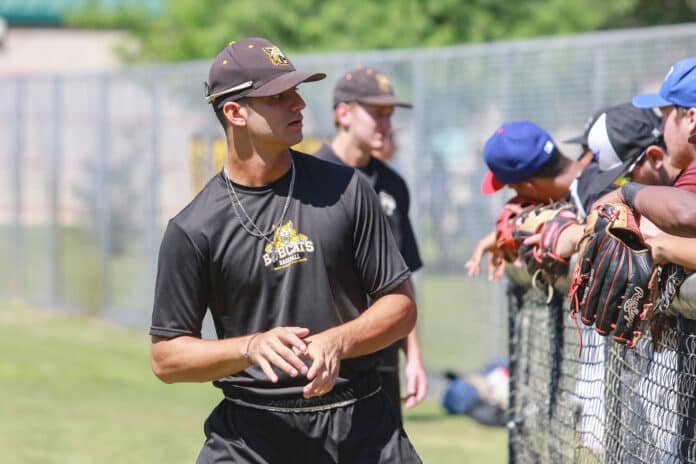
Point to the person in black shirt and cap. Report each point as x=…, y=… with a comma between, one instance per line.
x=294, y=259
x=364, y=102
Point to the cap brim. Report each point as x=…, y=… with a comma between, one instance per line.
x=650, y=100
x=490, y=184
x=384, y=100
x=580, y=140
x=606, y=178
x=285, y=82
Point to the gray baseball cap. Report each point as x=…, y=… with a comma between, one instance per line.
x=252, y=67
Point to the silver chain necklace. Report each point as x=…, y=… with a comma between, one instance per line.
x=256, y=232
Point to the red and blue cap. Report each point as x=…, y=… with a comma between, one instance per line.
x=516, y=151
x=678, y=88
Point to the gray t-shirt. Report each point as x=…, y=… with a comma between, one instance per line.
x=332, y=253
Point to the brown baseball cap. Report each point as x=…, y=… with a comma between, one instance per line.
x=366, y=85
x=252, y=67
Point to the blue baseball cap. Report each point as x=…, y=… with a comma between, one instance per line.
x=678, y=88
x=515, y=152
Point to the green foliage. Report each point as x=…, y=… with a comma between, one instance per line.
x=190, y=29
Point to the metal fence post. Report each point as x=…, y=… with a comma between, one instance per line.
x=153, y=213
x=55, y=175
x=104, y=192
x=18, y=286
x=418, y=84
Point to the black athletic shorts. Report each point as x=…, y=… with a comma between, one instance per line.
x=392, y=387
x=364, y=432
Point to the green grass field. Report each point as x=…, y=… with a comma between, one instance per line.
x=457, y=319
x=77, y=390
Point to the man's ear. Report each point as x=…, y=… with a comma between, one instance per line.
x=656, y=155
x=691, y=115
x=235, y=113
x=343, y=114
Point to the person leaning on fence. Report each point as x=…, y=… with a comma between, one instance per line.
x=677, y=102
x=628, y=145
x=672, y=210
x=294, y=259
x=524, y=157
x=364, y=103
x=628, y=140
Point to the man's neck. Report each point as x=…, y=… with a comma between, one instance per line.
x=253, y=169
x=556, y=188
x=349, y=153
x=562, y=182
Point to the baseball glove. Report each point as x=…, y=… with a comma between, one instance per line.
x=664, y=285
x=549, y=220
x=505, y=226
x=609, y=287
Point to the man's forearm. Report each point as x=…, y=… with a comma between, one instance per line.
x=672, y=210
x=411, y=345
x=391, y=317
x=191, y=359
x=672, y=249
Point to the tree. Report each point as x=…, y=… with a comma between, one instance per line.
x=191, y=29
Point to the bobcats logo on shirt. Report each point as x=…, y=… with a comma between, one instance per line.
x=388, y=203
x=288, y=247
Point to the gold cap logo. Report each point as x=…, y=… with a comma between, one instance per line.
x=276, y=56
x=383, y=83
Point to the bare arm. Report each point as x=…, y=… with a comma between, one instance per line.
x=191, y=359
x=416, y=379
x=672, y=249
x=671, y=209
x=496, y=265
x=390, y=318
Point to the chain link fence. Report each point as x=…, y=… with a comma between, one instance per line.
x=578, y=397
x=92, y=166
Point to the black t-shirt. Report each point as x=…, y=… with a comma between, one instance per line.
x=395, y=200
x=332, y=254
x=591, y=184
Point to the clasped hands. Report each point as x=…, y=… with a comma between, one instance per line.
x=285, y=348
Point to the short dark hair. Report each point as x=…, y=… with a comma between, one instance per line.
x=681, y=110
x=222, y=118
x=555, y=166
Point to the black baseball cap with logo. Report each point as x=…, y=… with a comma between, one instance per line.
x=252, y=67
x=366, y=85
x=619, y=137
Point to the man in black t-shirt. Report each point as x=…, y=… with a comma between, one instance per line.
x=294, y=260
x=364, y=102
